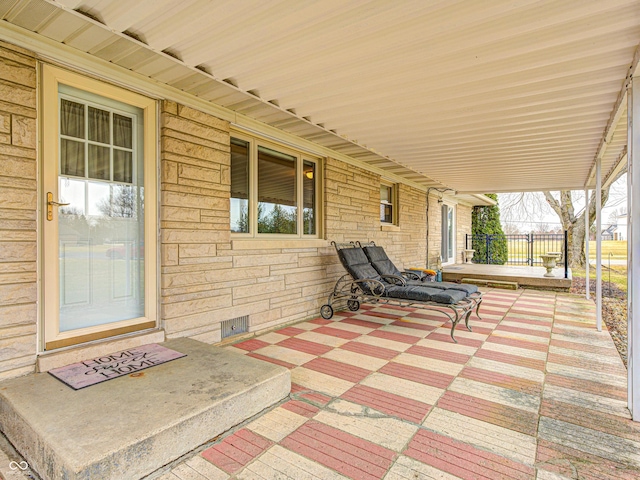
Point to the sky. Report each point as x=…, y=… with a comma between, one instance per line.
x=536, y=211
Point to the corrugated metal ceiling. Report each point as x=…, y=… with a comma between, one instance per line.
x=479, y=96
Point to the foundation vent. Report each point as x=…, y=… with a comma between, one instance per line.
x=234, y=326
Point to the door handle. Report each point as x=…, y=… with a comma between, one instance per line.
x=51, y=204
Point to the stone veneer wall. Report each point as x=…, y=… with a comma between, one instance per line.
x=18, y=207
x=206, y=276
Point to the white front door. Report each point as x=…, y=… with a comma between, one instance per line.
x=99, y=242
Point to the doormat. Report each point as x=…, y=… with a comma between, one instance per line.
x=90, y=372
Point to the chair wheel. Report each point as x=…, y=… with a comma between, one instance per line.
x=326, y=312
x=353, y=305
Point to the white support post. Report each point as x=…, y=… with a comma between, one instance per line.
x=586, y=242
x=599, y=244
x=633, y=250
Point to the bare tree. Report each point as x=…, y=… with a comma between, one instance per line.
x=530, y=206
x=542, y=228
x=510, y=229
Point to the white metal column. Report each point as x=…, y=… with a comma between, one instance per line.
x=599, y=244
x=633, y=249
x=586, y=242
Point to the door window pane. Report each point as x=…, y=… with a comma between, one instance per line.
x=277, y=208
x=71, y=158
x=71, y=118
x=99, y=125
x=122, y=166
x=99, y=164
x=309, y=198
x=122, y=131
x=239, y=186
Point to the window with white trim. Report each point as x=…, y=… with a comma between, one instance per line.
x=388, y=203
x=274, y=190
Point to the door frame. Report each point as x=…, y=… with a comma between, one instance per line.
x=51, y=338
x=449, y=260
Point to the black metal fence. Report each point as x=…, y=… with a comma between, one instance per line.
x=521, y=249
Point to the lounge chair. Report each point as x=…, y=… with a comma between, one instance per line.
x=384, y=266
x=363, y=284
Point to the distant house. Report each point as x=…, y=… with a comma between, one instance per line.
x=621, y=230
x=618, y=230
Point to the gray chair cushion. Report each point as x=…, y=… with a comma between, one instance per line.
x=449, y=296
x=378, y=258
x=463, y=287
x=418, y=293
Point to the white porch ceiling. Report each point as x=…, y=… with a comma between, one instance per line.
x=476, y=96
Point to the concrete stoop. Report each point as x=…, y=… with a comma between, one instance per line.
x=128, y=427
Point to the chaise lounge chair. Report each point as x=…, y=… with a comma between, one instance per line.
x=384, y=266
x=363, y=284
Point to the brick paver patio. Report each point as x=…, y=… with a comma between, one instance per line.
x=383, y=393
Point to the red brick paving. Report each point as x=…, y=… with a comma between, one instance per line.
x=524, y=331
x=416, y=326
x=336, y=369
x=490, y=412
x=577, y=362
x=236, y=451
x=587, y=386
x=347, y=454
x=321, y=321
x=301, y=392
x=291, y=331
x=528, y=321
x=419, y=375
x=301, y=408
x=275, y=361
x=439, y=354
x=389, y=316
x=512, y=342
x=445, y=337
x=582, y=347
x=475, y=327
x=337, y=332
x=362, y=323
x=389, y=403
x=251, y=345
x=511, y=359
x=370, y=350
x=427, y=316
x=525, y=311
x=305, y=346
x=463, y=460
x=396, y=337
x=358, y=458
x=501, y=380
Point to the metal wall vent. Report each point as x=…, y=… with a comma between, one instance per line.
x=235, y=326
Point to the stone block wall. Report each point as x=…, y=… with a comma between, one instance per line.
x=352, y=212
x=194, y=221
x=18, y=207
x=206, y=275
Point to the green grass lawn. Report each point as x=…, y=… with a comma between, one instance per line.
x=617, y=274
x=618, y=249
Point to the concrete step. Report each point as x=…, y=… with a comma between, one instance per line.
x=128, y=427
